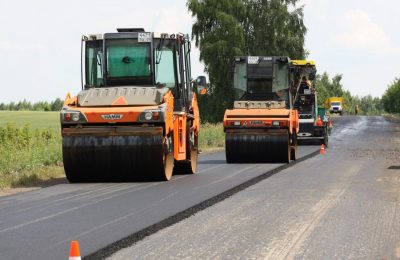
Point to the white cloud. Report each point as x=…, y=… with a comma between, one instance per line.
x=359, y=31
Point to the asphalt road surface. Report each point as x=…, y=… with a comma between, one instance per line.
x=341, y=205
x=41, y=224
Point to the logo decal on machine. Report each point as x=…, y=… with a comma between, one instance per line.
x=256, y=123
x=112, y=116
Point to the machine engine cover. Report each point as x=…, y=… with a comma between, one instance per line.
x=125, y=96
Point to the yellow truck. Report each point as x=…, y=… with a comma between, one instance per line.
x=334, y=105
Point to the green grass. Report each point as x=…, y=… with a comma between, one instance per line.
x=35, y=119
x=211, y=137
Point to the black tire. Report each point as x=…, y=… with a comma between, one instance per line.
x=168, y=162
x=293, y=148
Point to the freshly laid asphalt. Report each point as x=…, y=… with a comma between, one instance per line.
x=104, y=217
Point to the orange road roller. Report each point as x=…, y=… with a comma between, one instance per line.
x=262, y=127
x=137, y=116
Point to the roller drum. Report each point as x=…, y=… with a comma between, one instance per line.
x=260, y=146
x=114, y=158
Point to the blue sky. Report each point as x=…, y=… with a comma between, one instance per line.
x=40, y=40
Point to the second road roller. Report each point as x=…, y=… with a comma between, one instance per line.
x=137, y=116
x=262, y=127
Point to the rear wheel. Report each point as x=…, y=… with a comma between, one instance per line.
x=325, y=141
x=189, y=166
x=168, y=161
x=293, y=148
x=192, y=165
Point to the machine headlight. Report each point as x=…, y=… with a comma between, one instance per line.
x=148, y=115
x=151, y=115
x=275, y=123
x=75, y=117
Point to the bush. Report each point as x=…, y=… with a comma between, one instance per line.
x=25, y=148
x=211, y=136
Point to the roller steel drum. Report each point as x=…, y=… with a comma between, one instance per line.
x=116, y=158
x=257, y=146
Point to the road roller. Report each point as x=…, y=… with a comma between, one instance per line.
x=136, y=117
x=262, y=126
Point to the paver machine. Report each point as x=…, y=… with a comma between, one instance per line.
x=136, y=117
x=262, y=126
x=314, y=123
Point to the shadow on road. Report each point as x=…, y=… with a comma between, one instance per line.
x=212, y=162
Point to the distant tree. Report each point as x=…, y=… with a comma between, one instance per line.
x=327, y=87
x=321, y=83
x=272, y=29
x=391, y=98
x=39, y=106
x=12, y=106
x=56, y=105
x=23, y=105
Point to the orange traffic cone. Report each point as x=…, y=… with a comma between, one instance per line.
x=74, y=253
x=319, y=121
x=322, y=150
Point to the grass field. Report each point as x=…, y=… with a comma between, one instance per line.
x=35, y=119
x=30, y=147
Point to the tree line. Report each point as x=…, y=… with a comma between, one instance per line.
x=55, y=105
x=332, y=87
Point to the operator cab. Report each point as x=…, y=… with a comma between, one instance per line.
x=306, y=100
x=133, y=57
x=260, y=78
